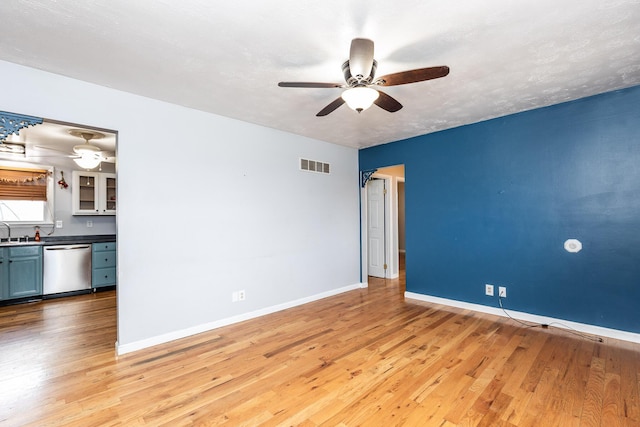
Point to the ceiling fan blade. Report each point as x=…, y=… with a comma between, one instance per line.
x=42, y=147
x=361, y=57
x=108, y=156
x=387, y=102
x=47, y=156
x=329, y=108
x=40, y=151
x=309, y=84
x=413, y=76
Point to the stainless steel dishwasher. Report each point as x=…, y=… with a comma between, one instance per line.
x=66, y=268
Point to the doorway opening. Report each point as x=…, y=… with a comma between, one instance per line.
x=79, y=162
x=383, y=224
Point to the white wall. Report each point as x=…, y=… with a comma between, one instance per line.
x=230, y=211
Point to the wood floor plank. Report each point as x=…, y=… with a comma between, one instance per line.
x=629, y=384
x=592, y=405
x=515, y=412
x=365, y=357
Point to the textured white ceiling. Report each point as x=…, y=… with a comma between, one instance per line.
x=227, y=57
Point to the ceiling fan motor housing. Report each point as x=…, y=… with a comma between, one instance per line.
x=353, y=81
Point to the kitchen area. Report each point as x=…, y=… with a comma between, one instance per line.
x=58, y=198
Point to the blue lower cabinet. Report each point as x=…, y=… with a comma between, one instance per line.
x=4, y=275
x=103, y=264
x=20, y=272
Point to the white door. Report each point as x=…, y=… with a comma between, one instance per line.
x=375, y=227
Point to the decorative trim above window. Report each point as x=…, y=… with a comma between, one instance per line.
x=11, y=123
x=314, y=166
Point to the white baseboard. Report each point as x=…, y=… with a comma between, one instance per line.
x=171, y=336
x=559, y=323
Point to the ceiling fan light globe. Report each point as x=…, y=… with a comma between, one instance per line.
x=360, y=98
x=86, y=149
x=88, y=161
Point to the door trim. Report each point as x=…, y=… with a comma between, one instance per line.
x=391, y=233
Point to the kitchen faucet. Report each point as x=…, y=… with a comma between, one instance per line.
x=6, y=224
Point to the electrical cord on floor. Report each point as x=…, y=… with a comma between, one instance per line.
x=562, y=326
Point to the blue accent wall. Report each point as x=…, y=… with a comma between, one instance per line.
x=493, y=202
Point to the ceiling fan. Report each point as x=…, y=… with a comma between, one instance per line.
x=90, y=155
x=86, y=155
x=359, y=73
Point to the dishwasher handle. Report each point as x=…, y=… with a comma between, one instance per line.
x=65, y=248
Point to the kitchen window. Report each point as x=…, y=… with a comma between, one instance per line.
x=26, y=194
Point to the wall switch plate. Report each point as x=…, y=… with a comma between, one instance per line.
x=59, y=224
x=502, y=291
x=488, y=290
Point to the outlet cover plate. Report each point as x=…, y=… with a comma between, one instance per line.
x=488, y=290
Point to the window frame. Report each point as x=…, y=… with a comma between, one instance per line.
x=49, y=205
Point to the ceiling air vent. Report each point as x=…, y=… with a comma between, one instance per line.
x=314, y=166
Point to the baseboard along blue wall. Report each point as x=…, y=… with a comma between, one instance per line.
x=494, y=202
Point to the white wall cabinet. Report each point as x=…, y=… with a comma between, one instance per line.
x=94, y=193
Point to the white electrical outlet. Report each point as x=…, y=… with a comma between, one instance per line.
x=89, y=224
x=502, y=291
x=488, y=290
x=59, y=224
x=241, y=295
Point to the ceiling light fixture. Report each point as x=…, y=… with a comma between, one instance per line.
x=88, y=161
x=86, y=149
x=90, y=155
x=360, y=98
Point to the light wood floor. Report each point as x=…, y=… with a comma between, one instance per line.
x=366, y=357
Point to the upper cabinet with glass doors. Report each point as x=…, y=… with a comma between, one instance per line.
x=94, y=193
